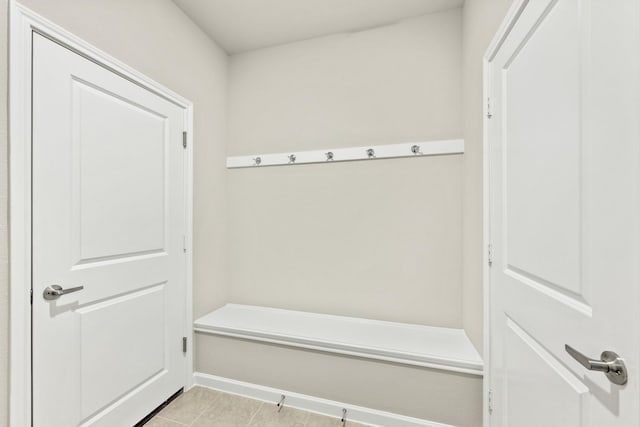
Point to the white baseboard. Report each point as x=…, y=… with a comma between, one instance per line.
x=312, y=404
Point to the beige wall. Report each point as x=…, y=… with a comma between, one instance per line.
x=4, y=243
x=157, y=39
x=379, y=239
x=430, y=394
x=385, y=85
x=481, y=19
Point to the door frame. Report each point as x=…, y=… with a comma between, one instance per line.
x=22, y=24
x=507, y=24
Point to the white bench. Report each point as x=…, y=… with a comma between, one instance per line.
x=427, y=346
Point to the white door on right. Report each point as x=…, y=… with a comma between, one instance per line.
x=564, y=203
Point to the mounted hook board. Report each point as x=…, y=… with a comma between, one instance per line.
x=372, y=152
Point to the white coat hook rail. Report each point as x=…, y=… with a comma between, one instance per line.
x=410, y=149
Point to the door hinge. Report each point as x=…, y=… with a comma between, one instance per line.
x=184, y=139
x=184, y=344
x=489, y=115
x=489, y=254
x=490, y=401
x=31, y=296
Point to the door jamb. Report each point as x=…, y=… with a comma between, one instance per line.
x=507, y=24
x=22, y=23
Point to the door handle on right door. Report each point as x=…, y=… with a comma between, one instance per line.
x=54, y=292
x=610, y=363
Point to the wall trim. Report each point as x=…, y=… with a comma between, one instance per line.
x=308, y=403
x=22, y=23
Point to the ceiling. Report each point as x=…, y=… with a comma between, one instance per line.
x=241, y=25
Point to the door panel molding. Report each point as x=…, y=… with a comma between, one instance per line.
x=561, y=109
x=575, y=301
x=525, y=354
x=23, y=23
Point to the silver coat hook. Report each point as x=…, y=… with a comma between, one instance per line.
x=292, y=158
x=257, y=161
x=343, y=420
x=280, y=404
x=329, y=155
x=371, y=153
x=415, y=149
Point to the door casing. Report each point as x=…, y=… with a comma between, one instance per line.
x=22, y=24
x=512, y=15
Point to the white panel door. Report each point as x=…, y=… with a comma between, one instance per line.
x=564, y=213
x=108, y=214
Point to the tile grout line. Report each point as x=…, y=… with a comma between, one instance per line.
x=255, y=413
x=262, y=404
x=206, y=409
x=170, y=420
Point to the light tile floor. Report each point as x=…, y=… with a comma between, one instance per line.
x=202, y=407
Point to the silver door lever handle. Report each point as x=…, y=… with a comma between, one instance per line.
x=610, y=363
x=54, y=292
